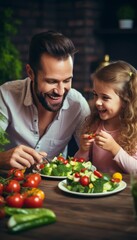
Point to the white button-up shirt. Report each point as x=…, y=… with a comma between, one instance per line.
x=21, y=119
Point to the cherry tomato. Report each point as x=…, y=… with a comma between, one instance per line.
x=1, y=188
x=2, y=201
x=61, y=158
x=16, y=174
x=2, y=213
x=83, y=169
x=115, y=180
x=15, y=200
x=30, y=181
x=12, y=186
x=91, y=136
x=98, y=174
x=75, y=159
x=35, y=191
x=42, y=165
x=33, y=201
x=81, y=160
x=65, y=161
x=77, y=175
x=37, y=177
x=84, y=180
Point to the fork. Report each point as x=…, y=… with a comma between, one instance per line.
x=45, y=158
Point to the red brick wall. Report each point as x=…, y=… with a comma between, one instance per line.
x=76, y=18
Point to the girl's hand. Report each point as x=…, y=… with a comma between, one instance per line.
x=85, y=142
x=107, y=142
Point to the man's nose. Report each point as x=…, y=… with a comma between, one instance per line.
x=60, y=89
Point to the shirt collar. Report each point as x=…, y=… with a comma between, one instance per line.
x=28, y=100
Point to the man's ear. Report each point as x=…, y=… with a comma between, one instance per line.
x=30, y=72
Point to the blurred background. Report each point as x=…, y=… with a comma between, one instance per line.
x=93, y=26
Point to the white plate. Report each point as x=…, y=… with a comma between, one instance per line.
x=47, y=176
x=122, y=185
x=57, y=177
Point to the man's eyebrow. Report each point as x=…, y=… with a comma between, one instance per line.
x=54, y=79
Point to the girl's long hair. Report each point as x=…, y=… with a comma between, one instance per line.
x=123, y=76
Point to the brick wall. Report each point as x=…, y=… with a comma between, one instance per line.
x=76, y=18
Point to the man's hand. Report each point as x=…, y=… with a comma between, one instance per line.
x=20, y=157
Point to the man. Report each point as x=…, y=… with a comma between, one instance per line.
x=42, y=112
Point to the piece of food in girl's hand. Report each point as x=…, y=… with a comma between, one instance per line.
x=92, y=136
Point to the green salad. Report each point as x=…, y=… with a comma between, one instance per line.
x=91, y=182
x=60, y=166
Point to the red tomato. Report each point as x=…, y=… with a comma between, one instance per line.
x=84, y=180
x=37, y=177
x=12, y=186
x=33, y=201
x=81, y=160
x=98, y=174
x=1, y=188
x=16, y=174
x=77, y=175
x=65, y=161
x=83, y=169
x=75, y=159
x=30, y=181
x=16, y=200
x=2, y=201
x=2, y=213
x=91, y=136
x=115, y=180
x=42, y=165
x=61, y=158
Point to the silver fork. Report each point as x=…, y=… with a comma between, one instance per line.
x=45, y=158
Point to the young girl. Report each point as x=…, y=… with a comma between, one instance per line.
x=112, y=146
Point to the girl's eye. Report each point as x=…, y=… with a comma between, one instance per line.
x=105, y=98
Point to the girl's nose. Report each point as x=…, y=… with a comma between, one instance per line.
x=98, y=102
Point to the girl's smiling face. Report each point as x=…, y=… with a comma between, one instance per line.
x=107, y=102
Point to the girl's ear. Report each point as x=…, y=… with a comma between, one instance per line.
x=30, y=72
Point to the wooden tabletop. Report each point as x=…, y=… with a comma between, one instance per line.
x=83, y=218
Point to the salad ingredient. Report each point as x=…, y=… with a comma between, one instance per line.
x=16, y=174
x=32, y=180
x=63, y=167
x=1, y=188
x=12, y=186
x=34, y=191
x=33, y=201
x=20, y=221
x=117, y=175
x=2, y=201
x=90, y=182
x=11, y=210
x=84, y=180
x=15, y=200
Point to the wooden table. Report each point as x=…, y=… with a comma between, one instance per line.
x=83, y=218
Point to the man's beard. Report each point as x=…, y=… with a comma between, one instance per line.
x=42, y=99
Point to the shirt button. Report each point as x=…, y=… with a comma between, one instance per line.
x=36, y=132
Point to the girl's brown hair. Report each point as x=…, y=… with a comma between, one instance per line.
x=123, y=76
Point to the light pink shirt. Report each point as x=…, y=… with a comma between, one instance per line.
x=105, y=161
